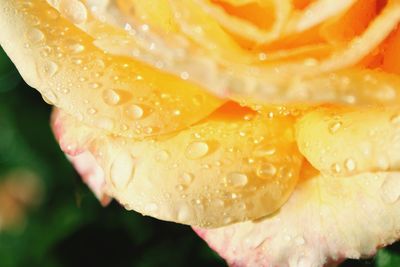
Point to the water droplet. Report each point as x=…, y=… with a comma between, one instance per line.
x=350, y=164
x=334, y=127
x=92, y=111
x=73, y=10
x=50, y=68
x=218, y=202
x=336, y=168
x=227, y=220
x=124, y=127
x=111, y=97
x=184, y=75
x=180, y=187
x=162, y=156
x=266, y=171
x=299, y=241
x=151, y=208
x=104, y=123
x=77, y=61
x=237, y=179
x=390, y=189
x=148, y=130
x=196, y=150
x=176, y=112
x=395, y=119
x=76, y=48
x=134, y=111
x=187, y=178
x=184, y=212
x=35, y=35
x=94, y=85
x=122, y=170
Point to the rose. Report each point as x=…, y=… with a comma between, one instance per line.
x=312, y=146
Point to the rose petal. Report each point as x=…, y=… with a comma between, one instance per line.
x=343, y=141
x=92, y=174
x=114, y=93
x=326, y=219
x=217, y=63
x=239, y=167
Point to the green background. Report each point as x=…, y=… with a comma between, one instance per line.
x=70, y=228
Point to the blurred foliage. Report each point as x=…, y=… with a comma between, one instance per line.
x=70, y=228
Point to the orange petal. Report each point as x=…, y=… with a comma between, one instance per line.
x=234, y=163
x=114, y=93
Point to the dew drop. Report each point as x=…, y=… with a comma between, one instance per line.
x=299, y=241
x=390, y=189
x=94, y=85
x=74, y=10
x=148, y=130
x=122, y=170
x=196, y=150
x=76, y=48
x=176, y=112
x=334, y=127
x=350, y=164
x=151, y=208
x=336, y=168
x=134, y=111
x=92, y=111
x=180, y=187
x=395, y=119
x=266, y=171
x=184, y=213
x=227, y=220
x=187, y=178
x=111, y=97
x=50, y=68
x=162, y=156
x=105, y=123
x=237, y=179
x=35, y=35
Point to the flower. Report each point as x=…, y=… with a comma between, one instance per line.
x=273, y=125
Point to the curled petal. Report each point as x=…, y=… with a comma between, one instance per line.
x=326, y=219
x=371, y=137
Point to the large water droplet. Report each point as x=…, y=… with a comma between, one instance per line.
x=334, y=127
x=162, y=156
x=73, y=10
x=151, y=208
x=336, y=168
x=350, y=164
x=187, y=178
x=35, y=35
x=395, y=119
x=76, y=48
x=111, y=97
x=237, y=179
x=50, y=68
x=391, y=189
x=134, y=111
x=184, y=212
x=196, y=150
x=266, y=171
x=122, y=170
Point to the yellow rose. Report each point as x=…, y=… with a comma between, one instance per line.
x=274, y=125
